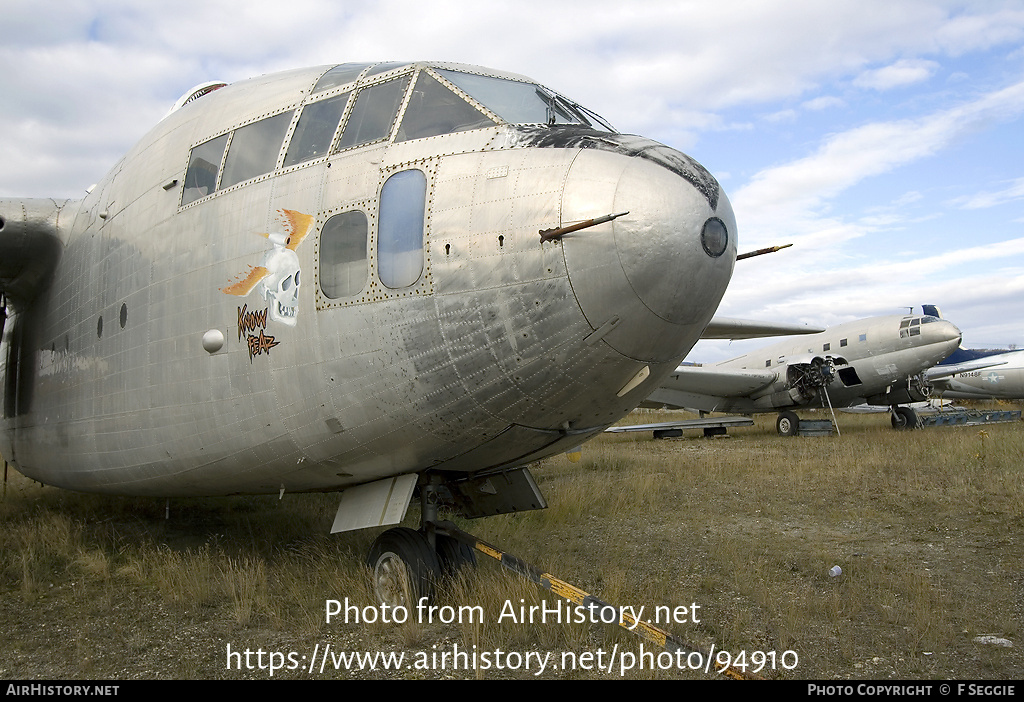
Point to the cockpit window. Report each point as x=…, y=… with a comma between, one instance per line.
x=203, y=166
x=339, y=75
x=315, y=130
x=434, y=109
x=254, y=149
x=912, y=327
x=374, y=112
x=383, y=68
x=523, y=103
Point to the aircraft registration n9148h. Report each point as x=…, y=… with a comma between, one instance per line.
x=358, y=277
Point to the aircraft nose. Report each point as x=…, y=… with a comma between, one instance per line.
x=944, y=332
x=651, y=279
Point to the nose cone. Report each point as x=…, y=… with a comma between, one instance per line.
x=652, y=278
x=945, y=335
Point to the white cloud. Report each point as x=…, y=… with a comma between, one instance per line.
x=908, y=198
x=782, y=116
x=823, y=103
x=985, y=200
x=902, y=73
x=799, y=190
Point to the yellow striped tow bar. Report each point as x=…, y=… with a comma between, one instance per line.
x=645, y=630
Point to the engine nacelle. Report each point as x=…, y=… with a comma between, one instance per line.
x=804, y=381
x=30, y=245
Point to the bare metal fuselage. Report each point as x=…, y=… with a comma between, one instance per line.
x=504, y=349
x=1004, y=381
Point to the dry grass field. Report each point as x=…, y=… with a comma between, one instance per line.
x=925, y=525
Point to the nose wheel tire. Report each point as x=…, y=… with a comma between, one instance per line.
x=453, y=556
x=404, y=568
x=788, y=424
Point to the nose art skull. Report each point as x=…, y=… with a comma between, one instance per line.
x=280, y=288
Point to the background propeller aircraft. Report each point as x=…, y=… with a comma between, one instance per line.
x=367, y=278
x=998, y=376
x=879, y=360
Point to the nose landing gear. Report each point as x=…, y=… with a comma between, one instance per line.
x=407, y=564
x=405, y=568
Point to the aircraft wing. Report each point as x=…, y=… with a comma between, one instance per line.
x=940, y=372
x=706, y=380
x=731, y=328
x=708, y=388
x=702, y=423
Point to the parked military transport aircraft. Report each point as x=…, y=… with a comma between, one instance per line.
x=879, y=360
x=364, y=278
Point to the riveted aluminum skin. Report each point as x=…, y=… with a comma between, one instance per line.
x=641, y=267
x=504, y=349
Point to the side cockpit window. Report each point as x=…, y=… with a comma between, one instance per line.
x=519, y=102
x=203, y=166
x=343, y=255
x=910, y=327
x=374, y=113
x=434, y=110
x=315, y=130
x=254, y=149
x=339, y=76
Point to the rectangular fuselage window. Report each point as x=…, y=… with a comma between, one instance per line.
x=400, y=229
x=343, y=255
